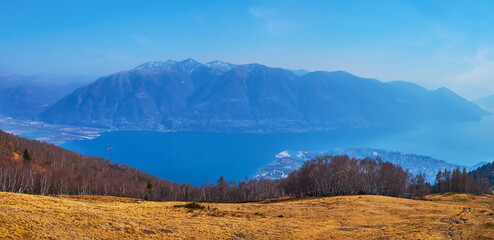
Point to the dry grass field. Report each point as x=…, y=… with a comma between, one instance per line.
x=449, y=216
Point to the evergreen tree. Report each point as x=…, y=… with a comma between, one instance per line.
x=149, y=188
x=26, y=155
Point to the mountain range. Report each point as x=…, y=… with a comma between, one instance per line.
x=220, y=96
x=61, y=84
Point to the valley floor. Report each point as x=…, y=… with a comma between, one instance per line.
x=447, y=216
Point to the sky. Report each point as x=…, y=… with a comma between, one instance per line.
x=433, y=43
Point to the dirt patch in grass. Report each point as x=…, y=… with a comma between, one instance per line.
x=193, y=206
x=488, y=225
x=460, y=199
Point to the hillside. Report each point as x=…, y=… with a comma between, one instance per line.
x=220, y=96
x=26, y=101
x=287, y=161
x=450, y=216
x=29, y=166
x=485, y=171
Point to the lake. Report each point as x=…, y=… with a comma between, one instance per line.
x=200, y=157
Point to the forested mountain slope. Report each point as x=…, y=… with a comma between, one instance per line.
x=219, y=96
x=29, y=166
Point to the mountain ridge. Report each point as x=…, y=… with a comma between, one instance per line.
x=26, y=101
x=219, y=96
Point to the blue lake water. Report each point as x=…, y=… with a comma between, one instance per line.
x=199, y=157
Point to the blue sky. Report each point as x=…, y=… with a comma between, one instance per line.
x=433, y=43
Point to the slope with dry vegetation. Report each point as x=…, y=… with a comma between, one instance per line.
x=445, y=216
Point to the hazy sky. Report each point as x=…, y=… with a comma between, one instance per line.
x=433, y=43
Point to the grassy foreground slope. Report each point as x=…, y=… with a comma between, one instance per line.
x=456, y=216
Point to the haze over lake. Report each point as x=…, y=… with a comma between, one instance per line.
x=200, y=157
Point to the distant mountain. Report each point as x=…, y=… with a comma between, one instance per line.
x=60, y=84
x=486, y=102
x=26, y=101
x=288, y=161
x=220, y=96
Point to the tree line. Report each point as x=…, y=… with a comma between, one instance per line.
x=29, y=166
x=460, y=181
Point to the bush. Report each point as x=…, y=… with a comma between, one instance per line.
x=190, y=206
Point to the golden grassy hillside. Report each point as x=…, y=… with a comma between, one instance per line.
x=458, y=216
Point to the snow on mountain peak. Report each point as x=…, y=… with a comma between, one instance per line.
x=189, y=65
x=155, y=64
x=220, y=65
x=283, y=154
